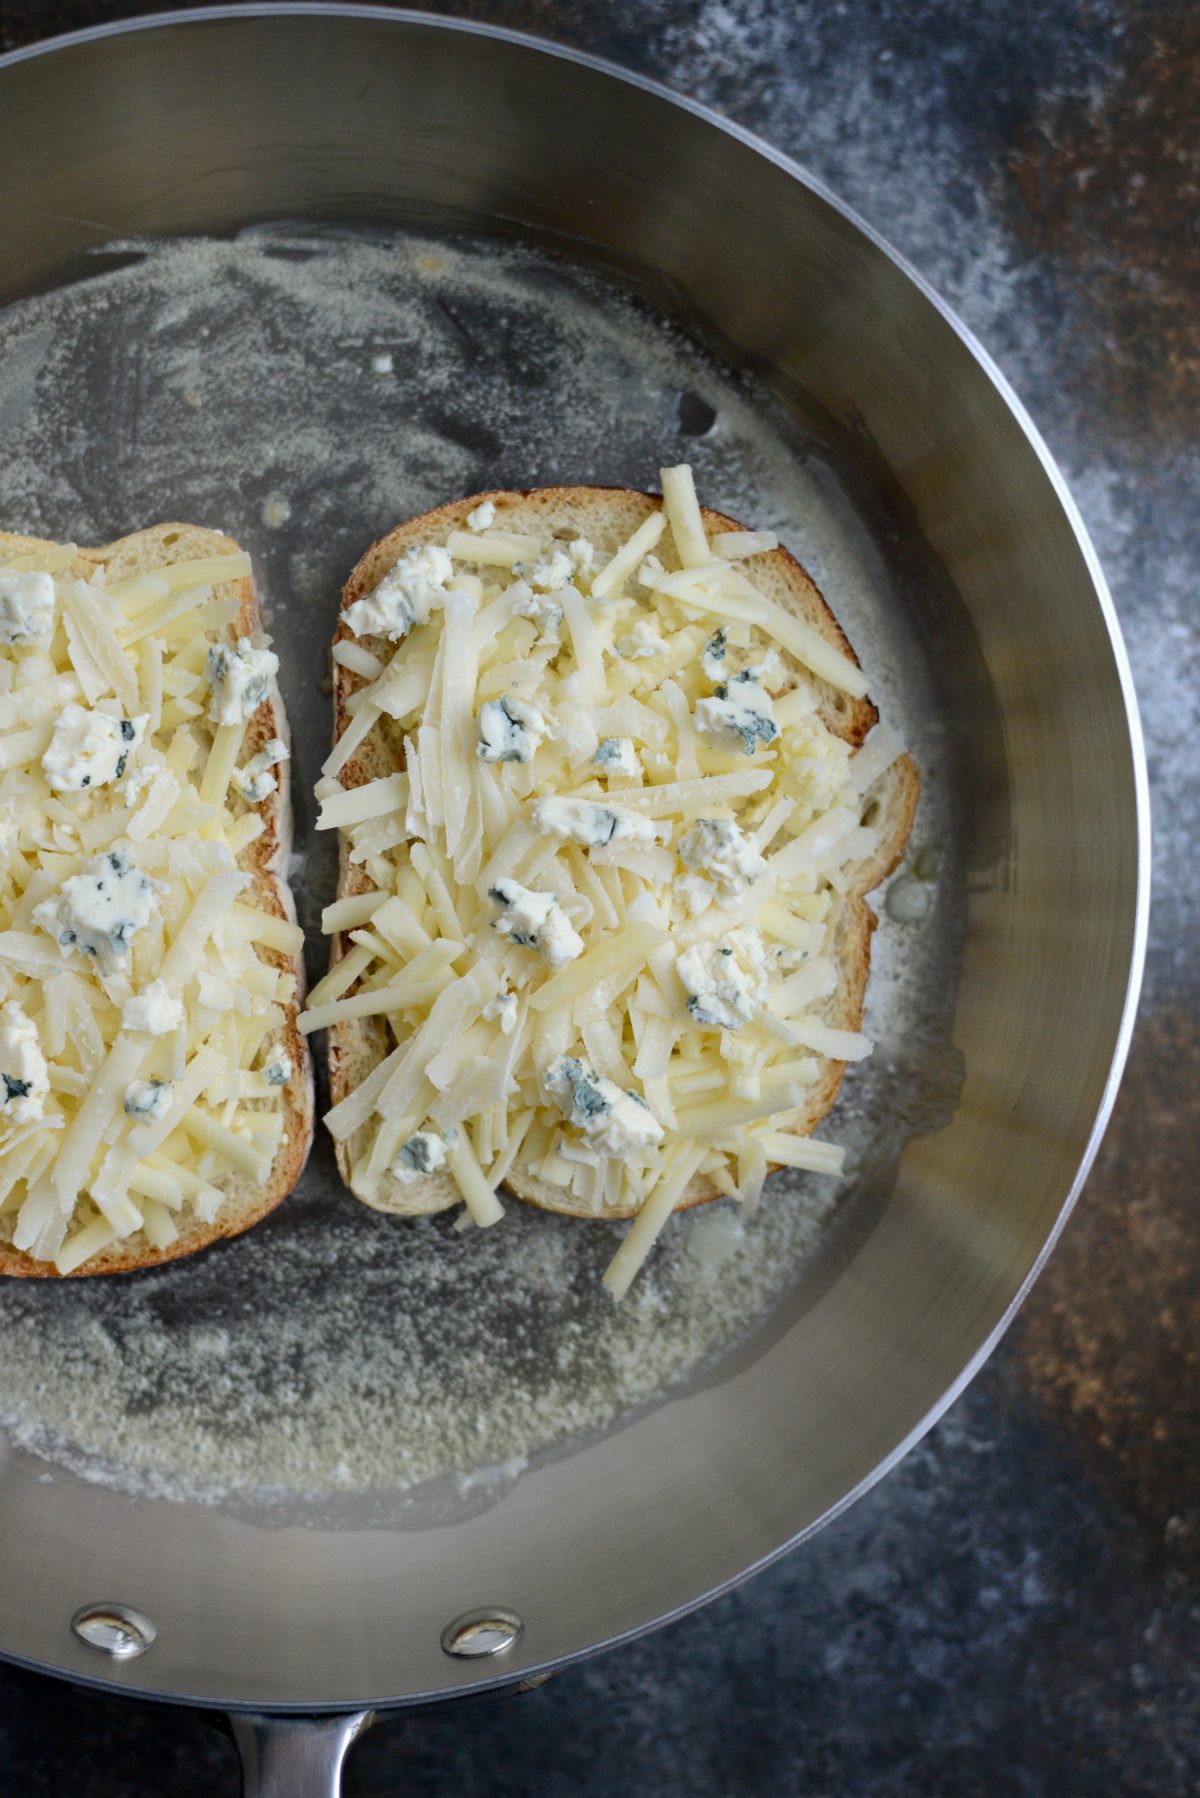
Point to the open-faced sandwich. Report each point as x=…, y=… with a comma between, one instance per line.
x=610, y=793
x=156, y=1093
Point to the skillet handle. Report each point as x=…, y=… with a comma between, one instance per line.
x=295, y=1757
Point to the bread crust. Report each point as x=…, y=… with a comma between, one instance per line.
x=266, y=860
x=355, y=1047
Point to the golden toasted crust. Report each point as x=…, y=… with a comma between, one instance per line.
x=608, y=516
x=266, y=860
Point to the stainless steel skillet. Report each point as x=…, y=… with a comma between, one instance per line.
x=357, y=121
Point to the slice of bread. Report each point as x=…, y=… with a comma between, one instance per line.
x=265, y=860
x=608, y=517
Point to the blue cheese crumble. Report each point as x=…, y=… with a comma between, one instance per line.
x=155, y=1010
x=148, y=1100
x=720, y=848
x=713, y=659
x=509, y=730
x=502, y=1010
x=406, y=595
x=617, y=755
x=740, y=711
x=549, y=573
x=545, y=612
x=423, y=1153
x=613, y=1122
x=586, y=822
x=23, y=1071
x=726, y=981
x=27, y=601
x=100, y=910
x=643, y=640
x=816, y=767
x=559, y=566
x=716, y=665
x=535, y=921
x=255, y=782
x=139, y=778
x=238, y=679
x=90, y=749
x=278, y=1071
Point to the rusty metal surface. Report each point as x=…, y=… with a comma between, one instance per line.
x=1016, y=1609
x=1104, y=186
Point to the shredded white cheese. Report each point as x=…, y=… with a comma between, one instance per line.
x=628, y=835
x=119, y=915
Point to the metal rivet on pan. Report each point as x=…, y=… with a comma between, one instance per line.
x=114, y=1629
x=479, y=1633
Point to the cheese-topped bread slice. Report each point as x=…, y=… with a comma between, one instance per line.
x=155, y=1093
x=610, y=793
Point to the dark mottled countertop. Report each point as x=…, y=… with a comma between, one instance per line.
x=1016, y=1609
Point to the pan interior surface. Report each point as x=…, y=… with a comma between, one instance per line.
x=303, y=1453
x=304, y=390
